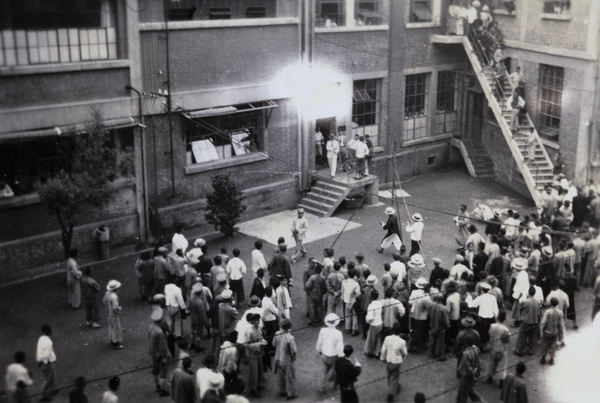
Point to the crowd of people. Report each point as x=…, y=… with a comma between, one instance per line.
x=521, y=271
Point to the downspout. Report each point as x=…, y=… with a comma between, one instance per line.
x=169, y=110
x=390, y=74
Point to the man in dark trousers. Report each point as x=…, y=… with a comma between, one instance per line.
x=515, y=388
x=347, y=373
x=393, y=236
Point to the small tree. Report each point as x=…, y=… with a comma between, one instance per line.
x=94, y=163
x=224, y=204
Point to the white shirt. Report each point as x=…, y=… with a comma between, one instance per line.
x=333, y=148
x=45, y=350
x=393, y=350
x=487, y=304
x=173, y=297
x=194, y=255
x=330, y=342
x=374, y=312
x=258, y=261
x=300, y=225
x=270, y=311
x=521, y=286
x=179, y=242
x=350, y=290
x=203, y=377
x=236, y=269
x=416, y=230
x=16, y=372
x=520, y=102
x=361, y=149
x=398, y=267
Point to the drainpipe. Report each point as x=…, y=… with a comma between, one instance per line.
x=169, y=110
x=144, y=232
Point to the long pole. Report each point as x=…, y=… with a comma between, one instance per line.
x=166, y=15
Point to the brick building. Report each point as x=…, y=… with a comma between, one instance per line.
x=197, y=87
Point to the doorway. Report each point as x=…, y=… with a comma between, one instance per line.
x=326, y=126
x=476, y=103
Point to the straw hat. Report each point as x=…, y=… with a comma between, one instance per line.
x=199, y=242
x=197, y=287
x=390, y=210
x=221, y=277
x=485, y=286
x=332, y=320
x=113, y=285
x=416, y=259
x=372, y=280
x=468, y=321
x=476, y=4
x=421, y=282
x=254, y=301
x=227, y=294
x=417, y=217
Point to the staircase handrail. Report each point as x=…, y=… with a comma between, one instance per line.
x=538, y=140
x=497, y=109
x=478, y=47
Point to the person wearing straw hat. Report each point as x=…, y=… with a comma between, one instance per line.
x=416, y=233
x=393, y=353
x=393, y=236
x=521, y=286
x=419, y=313
x=487, y=310
x=299, y=229
x=159, y=352
x=330, y=346
x=193, y=255
x=530, y=314
x=254, y=344
x=214, y=393
x=462, y=339
x=285, y=356
x=113, y=312
x=416, y=268
x=365, y=299
x=198, y=308
x=462, y=221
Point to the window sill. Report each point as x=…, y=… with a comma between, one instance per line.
x=19, y=201
x=63, y=67
x=378, y=150
x=229, y=162
x=556, y=17
x=550, y=144
x=198, y=24
x=412, y=25
x=445, y=136
x=323, y=30
x=505, y=12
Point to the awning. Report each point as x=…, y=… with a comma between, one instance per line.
x=66, y=130
x=227, y=110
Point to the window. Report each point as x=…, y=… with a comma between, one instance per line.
x=557, y=7
x=256, y=12
x=237, y=130
x=56, y=31
x=181, y=10
x=445, y=105
x=550, y=96
x=330, y=13
x=366, y=13
x=365, y=109
x=421, y=11
x=415, y=118
x=219, y=13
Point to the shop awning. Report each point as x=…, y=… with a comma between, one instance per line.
x=66, y=130
x=227, y=110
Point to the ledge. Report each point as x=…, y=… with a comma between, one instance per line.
x=550, y=144
x=324, y=30
x=250, y=22
x=19, y=201
x=557, y=17
x=413, y=25
x=409, y=143
x=225, y=163
x=64, y=67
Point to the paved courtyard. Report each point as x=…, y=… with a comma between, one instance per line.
x=83, y=351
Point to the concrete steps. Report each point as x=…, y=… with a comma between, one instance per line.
x=324, y=198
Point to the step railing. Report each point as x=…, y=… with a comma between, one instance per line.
x=475, y=52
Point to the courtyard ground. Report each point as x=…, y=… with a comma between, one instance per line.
x=84, y=351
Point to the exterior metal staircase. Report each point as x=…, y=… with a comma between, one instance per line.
x=324, y=198
x=536, y=171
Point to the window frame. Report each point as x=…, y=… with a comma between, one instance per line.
x=550, y=7
x=366, y=108
x=446, y=102
x=321, y=21
x=416, y=120
x=370, y=15
x=550, y=91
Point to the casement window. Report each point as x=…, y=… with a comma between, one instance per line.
x=367, y=13
x=550, y=101
x=446, y=102
x=421, y=11
x=227, y=132
x=415, y=110
x=557, y=7
x=57, y=31
x=365, y=108
x=330, y=13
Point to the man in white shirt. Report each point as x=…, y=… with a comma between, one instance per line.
x=15, y=373
x=193, y=256
x=398, y=267
x=175, y=312
x=415, y=230
x=330, y=346
x=393, y=352
x=361, y=150
x=179, y=241
x=333, y=148
x=350, y=290
x=514, y=105
x=515, y=78
x=258, y=259
x=46, y=358
x=488, y=310
x=236, y=270
x=299, y=229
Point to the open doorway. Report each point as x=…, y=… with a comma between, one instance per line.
x=475, y=103
x=326, y=126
